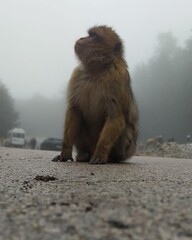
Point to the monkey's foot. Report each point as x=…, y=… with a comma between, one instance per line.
x=59, y=158
x=116, y=158
x=97, y=161
x=56, y=158
x=83, y=157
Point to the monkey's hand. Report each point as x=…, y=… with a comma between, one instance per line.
x=98, y=160
x=60, y=158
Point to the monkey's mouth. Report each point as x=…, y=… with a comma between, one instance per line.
x=80, y=50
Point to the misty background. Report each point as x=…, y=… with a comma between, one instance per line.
x=37, y=57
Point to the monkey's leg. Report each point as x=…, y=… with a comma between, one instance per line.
x=125, y=146
x=71, y=130
x=111, y=131
x=83, y=157
x=82, y=144
x=130, y=146
x=118, y=152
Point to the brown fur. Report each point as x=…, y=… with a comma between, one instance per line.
x=101, y=117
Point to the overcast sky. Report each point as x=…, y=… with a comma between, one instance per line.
x=37, y=36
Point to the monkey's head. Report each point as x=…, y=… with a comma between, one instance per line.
x=100, y=48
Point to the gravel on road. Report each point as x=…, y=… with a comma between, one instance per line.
x=144, y=199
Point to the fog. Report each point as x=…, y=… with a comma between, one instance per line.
x=37, y=37
x=37, y=57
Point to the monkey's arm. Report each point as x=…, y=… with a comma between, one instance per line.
x=71, y=129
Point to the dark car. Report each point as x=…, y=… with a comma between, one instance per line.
x=51, y=144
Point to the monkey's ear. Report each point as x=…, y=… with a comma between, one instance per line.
x=118, y=47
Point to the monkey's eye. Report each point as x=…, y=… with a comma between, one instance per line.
x=95, y=36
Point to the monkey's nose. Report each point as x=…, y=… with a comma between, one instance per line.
x=81, y=40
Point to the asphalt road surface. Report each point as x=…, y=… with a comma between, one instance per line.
x=143, y=199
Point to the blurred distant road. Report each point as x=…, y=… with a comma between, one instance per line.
x=145, y=198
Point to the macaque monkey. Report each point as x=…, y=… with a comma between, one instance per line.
x=101, y=116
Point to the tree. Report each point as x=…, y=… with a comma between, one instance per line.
x=167, y=45
x=163, y=90
x=8, y=115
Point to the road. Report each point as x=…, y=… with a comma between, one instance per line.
x=143, y=199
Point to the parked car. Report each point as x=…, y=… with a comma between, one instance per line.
x=15, y=138
x=51, y=144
